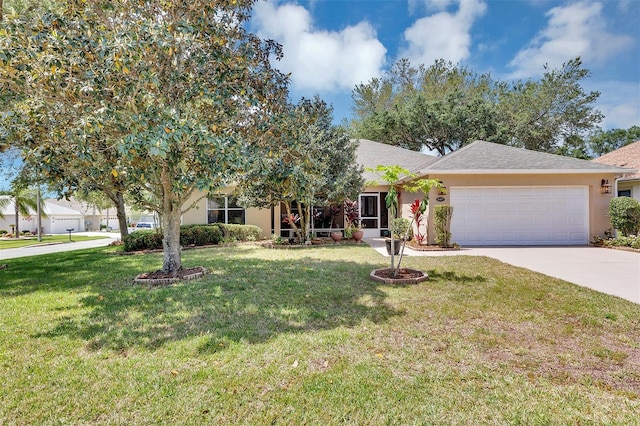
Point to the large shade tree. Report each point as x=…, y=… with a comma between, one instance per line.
x=174, y=90
x=309, y=162
x=445, y=106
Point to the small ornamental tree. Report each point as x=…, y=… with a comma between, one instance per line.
x=624, y=213
x=306, y=162
x=391, y=174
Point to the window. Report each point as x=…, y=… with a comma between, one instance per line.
x=224, y=209
x=624, y=193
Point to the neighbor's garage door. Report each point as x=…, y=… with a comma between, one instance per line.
x=60, y=225
x=520, y=215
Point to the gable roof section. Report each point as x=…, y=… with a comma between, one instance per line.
x=371, y=154
x=49, y=209
x=628, y=157
x=482, y=157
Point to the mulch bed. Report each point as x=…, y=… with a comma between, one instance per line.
x=402, y=276
x=158, y=278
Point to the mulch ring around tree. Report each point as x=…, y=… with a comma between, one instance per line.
x=402, y=276
x=159, y=278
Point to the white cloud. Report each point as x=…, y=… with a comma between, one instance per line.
x=575, y=30
x=320, y=60
x=621, y=110
x=442, y=35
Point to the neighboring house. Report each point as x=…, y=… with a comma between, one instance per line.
x=58, y=219
x=501, y=195
x=628, y=157
x=92, y=215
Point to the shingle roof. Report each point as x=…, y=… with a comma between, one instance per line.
x=371, y=154
x=487, y=157
x=628, y=157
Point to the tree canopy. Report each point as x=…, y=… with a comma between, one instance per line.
x=310, y=162
x=445, y=106
x=602, y=142
x=165, y=96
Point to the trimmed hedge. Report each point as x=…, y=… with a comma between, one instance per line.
x=193, y=235
x=200, y=235
x=232, y=233
x=143, y=240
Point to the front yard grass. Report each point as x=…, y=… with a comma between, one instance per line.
x=304, y=337
x=7, y=243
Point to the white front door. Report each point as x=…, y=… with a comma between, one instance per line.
x=553, y=215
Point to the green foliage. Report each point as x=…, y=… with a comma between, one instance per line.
x=623, y=241
x=200, y=235
x=143, y=240
x=602, y=142
x=446, y=106
x=233, y=233
x=400, y=227
x=154, y=107
x=442, y=223
x=624, y=213
x=305, y=161
x=193, y=235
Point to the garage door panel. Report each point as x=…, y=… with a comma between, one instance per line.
x=520, y=215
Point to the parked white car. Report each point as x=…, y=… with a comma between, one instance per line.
x=144, y=225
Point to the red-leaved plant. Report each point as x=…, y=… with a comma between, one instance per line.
x=417, y=211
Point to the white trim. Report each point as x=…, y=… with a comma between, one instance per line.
x=518, y=171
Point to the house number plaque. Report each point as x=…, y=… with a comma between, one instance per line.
x=440, y=199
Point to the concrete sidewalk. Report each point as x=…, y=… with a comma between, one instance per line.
x=614, y=272
x=39, y=249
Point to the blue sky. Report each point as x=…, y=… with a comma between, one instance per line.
x=332, y=45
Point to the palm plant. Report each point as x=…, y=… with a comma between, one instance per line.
x=25, y=200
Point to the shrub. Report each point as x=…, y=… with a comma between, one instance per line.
x=631, y=241
x=624, y=213
x=3, y=231
x=442, y=223
x=400, y=227
x=193, y=235
x=232, y=233
x=143, y=240
x=200, y=235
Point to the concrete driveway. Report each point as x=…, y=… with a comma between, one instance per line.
x=609, y=271
x=56, y=248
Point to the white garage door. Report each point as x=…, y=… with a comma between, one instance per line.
x=520, y=215
x=59, y=225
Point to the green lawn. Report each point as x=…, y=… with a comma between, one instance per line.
x=47, y=239
x=304, y=337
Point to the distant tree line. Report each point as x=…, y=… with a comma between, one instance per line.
x=446, y=106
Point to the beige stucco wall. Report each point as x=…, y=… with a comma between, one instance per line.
x=198, y=214
x=598, y=203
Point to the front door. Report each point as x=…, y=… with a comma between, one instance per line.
x=370, y=214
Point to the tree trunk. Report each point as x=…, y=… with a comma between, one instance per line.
x=171, y=212
x=122, y=215
x=287, y=207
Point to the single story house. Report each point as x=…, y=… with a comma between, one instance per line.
x=628, y=157
x=58, y=219
x=501, y=195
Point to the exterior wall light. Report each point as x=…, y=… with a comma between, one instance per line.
x=605, y=187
